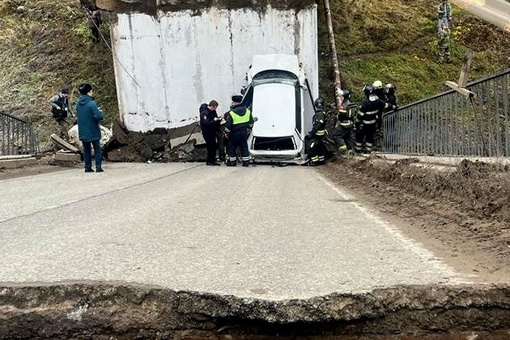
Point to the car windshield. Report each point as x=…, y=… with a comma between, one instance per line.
x=275, y=76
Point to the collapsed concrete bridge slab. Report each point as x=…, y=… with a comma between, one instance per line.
x=171, y=56
x=85, y=311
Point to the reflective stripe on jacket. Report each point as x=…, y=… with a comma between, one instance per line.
x=319, y=123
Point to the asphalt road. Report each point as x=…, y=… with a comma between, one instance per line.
x=265, y=232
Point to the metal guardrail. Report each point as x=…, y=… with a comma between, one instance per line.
x=17, y=136
x=451, y=124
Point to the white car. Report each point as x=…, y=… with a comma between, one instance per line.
x=281, y=101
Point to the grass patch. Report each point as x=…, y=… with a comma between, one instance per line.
x=396, y=42
x=46, y=45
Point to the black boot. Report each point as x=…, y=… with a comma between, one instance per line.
x=246, y=163
x=231, y=163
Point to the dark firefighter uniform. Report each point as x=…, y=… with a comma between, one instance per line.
x=366, y=119
x=343, y=135
x=317, y=148
x=237, y=128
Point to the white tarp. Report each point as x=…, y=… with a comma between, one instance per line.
x=106, y=135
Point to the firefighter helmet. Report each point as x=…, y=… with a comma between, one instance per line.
x=319, y=103
x=346, y=94
x=377, y=85
x=368, y=90
x=390, y=89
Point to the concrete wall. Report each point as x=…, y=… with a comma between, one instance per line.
x=167, y=64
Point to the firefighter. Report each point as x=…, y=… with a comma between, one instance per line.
x=345, y=124
x=237, y=129
x=317, y=149
x=391, y=96
x=366, y=120
x=389, y=127
x=379, y=90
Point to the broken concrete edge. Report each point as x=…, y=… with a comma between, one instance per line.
x=451, y=161
x=70, y=309
x=19, y=162
x=65, y=159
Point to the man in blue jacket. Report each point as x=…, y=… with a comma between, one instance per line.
x=89, y=116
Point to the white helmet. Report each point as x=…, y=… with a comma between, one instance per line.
x=377, y=84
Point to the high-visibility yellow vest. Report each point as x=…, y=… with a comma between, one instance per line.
x=237, y=119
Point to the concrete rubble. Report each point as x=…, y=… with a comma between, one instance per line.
x=154, y=146
x=121, y=145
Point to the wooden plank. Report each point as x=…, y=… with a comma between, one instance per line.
x=461, y=90
x=63, y=144
x=466, y=67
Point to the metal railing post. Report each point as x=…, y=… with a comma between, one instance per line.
x=18, y=136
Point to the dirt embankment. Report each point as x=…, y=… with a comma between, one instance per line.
x=462, y=213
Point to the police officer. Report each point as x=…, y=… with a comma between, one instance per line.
x=210, y=126
x=237, y=129
x=366, y=120
x=61, y=109
x=343, y=134
x=317, y=149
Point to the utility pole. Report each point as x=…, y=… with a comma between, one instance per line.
x=334, y=61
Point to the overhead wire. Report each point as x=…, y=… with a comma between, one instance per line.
x=109, y=47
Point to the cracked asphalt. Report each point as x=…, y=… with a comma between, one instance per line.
x=262, y=232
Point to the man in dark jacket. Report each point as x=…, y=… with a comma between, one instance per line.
x=89, y=116
x=238, y=128
x=61, y=110
x=94, y=21
x=210, y=126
